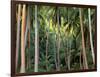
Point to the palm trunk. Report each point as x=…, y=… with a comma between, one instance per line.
x=83, y=42
x=36, y=42
x=27, y=34
x=26, y=31
x=58, y=43
x=68, y=49
x=90, y=31
x=23, y=39
x=18, y=33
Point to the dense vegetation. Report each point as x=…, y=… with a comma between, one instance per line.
x=51, y=38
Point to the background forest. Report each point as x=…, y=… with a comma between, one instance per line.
x=52, y=38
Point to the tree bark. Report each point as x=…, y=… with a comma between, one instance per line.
x=36, y=42
x=83, y=42
x=90, y=31
x=18, y=33
x=27, y=34
x=58, y=43
x=23, y=39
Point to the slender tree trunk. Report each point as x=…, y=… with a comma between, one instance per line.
x=83, y=42
x=36, y=42
x=23, y=39
x=47, y=51
x=68, y=55
x=26, y=34
x=90, y=31
x=68, y=49
x=26, y=31
x=58, y=45
x=18, y=33
x=27, y=27
x=29, y=62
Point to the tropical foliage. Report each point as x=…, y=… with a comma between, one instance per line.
x=51, y=38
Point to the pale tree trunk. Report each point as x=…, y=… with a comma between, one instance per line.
x=26, y=34
x=27, y=27
x=18, y=33
x=23, y=39
x=83, y=42
x=26, y=31
x=36, y=43
x=90, y=31
x=58, y=42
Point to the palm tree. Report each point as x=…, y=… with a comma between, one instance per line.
x=18, y=33
x=22, y=70
x=58, y=40
x=90, y=31
x=83, y=42
x=27, y=34
x=36, y=42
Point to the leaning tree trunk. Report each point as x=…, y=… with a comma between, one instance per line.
x=90, y=31
x=58, y=42
x=18, y=33
x=36, y=42
x=83, y=42
x=23, y=39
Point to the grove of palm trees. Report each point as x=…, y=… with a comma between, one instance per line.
x=54, y=38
